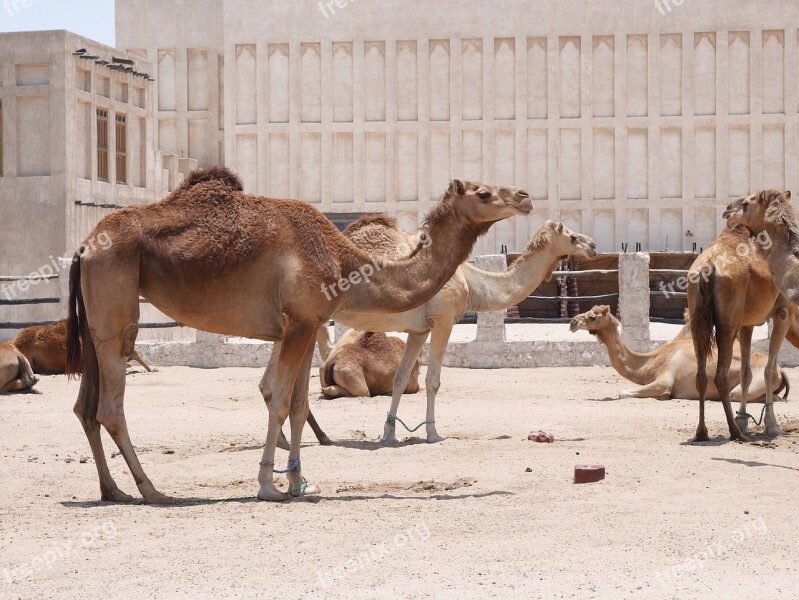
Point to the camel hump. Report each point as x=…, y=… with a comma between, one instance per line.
x=218, y=173
x=371, y=220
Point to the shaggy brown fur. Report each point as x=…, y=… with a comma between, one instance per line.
x=45, y=347
x=364, y=363
x=218, y=260
x=219, y=174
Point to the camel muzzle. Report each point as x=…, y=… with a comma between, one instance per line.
x=575, y=324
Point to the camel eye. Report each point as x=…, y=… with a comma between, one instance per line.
x=574, y=239
x=592, y=317
x=483, y=195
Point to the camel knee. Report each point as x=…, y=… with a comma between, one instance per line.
x=722, y=382
x=701, y=381
x=433, y=383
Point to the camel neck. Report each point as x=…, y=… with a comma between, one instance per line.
x=385, y=285
x=497, y=291
x=628, y=363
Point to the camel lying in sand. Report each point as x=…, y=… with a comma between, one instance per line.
x=16, y=374
x=45, y=346
x=363, y=363
x=670, y=371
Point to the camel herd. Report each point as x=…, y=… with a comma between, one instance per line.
x=216, y=259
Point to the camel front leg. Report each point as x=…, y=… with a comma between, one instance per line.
x=297, y=336
x=267, y=385
x=298, y=416
x=413, y=348
x=779, y=329
x=438, y=347
x=660, y=389
x=745, y=339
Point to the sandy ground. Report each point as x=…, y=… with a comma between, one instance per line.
x=485, y=513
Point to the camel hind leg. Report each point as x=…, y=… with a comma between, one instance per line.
x=348, y=380
x=725, y=339
x=86, y=411
x=701, y=388
x=113, y=328
x=780, y=325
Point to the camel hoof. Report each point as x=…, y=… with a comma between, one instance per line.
x=701, y=435
x=158, y=498
x=324, y=441
x=743, y=424
x=432, y=438
x=773, y=431
x=308, y=490
x=272, y=494
x=389, y=439
x=740, y=437
x=116, y=495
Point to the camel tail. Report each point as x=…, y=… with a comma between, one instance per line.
x=703, y=317
x=25, y=371
x=327, y=373
x=77, y=311
x=785, y=384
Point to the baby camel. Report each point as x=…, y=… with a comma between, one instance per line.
x=363, y=363
x=16, y=374
x=670, y=371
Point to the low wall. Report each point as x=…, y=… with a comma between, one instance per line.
x=490, y=349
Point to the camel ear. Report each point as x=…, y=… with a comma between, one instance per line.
x=604, y=309
x=560, y=228
x=457, y=188
x=786, y=195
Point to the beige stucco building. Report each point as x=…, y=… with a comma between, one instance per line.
x=77, y=142
x=629, y=120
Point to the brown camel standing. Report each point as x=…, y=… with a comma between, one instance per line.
x=771, y=217
x=363, y=363
x=730, y=291
x=45, y=347
x=219, y=260
x=670, y=370
x=16, y=374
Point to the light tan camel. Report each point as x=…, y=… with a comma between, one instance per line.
x=218, y=260
x=730, y=291
x=669, y=371
x=363, y=363
x=16, y=374
x=45, y=347
x=469, y=289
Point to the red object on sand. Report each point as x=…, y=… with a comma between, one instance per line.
x=541, y=436
x=588, y=473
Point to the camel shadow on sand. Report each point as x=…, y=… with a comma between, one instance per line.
x=753, y=463
x=193, y=501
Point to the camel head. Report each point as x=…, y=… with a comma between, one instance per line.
x=482, y=204
x=753, y=212
x=566, y=242
x=595, y=319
